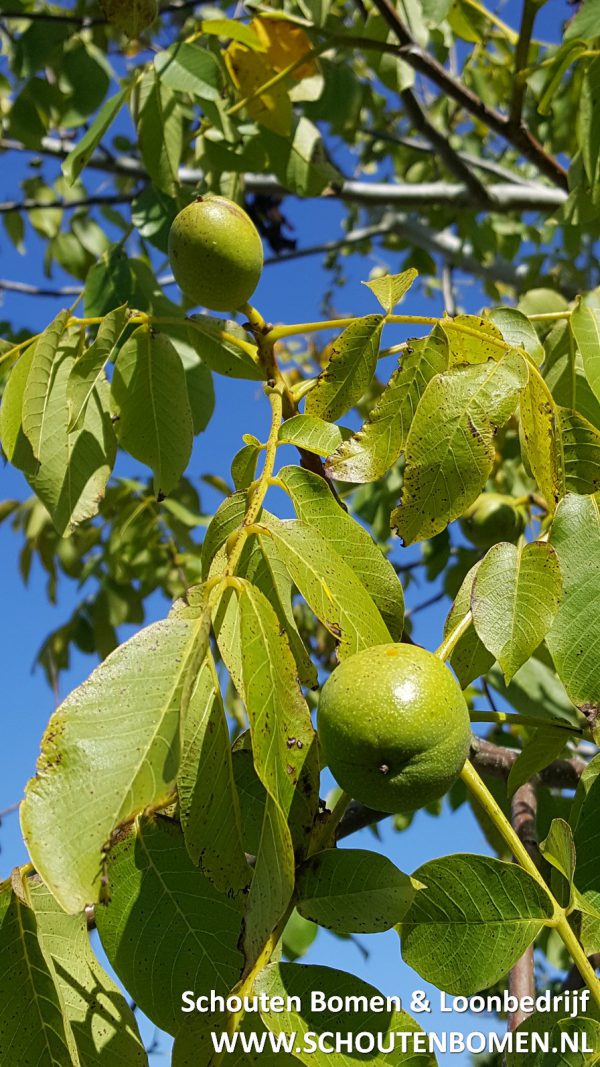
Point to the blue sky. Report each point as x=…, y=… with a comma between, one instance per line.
x=288, y=292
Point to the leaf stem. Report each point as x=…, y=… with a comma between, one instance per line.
x=523, y=720
x=481, y=793
x=276, y=333
x=450, y=642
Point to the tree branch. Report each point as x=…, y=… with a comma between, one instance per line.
x=94, y=200
x=502, y=196
x=450, y=248
x=521, y=978
x=420, y=60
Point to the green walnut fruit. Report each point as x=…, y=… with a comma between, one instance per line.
x=216, y=253
x=492, y=518
x=394, y=727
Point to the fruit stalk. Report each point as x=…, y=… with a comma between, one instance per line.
x=560, y=921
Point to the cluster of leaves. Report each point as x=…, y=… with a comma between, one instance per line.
x=180, y=811
x=215, y=101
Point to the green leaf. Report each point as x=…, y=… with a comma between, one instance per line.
x=329, y=585
x=74, y=467
x=102, y=1023
x=32, y=1023
x=559, y=1032
x=450, y=446
x=198, y=377
x=300, y=161
x=539, y=431
x=155, y=889
x=475, y=917
x=312, y=434
x=390, y=288
x=370, y=452
x=544, y=746
x=210, y=337
x=575, y=635
x=155, y=424
x=349, y=369
x=39, y=381
x=470, y=658
x=473, y=340
x=316, y=506
x=88, y=369
x=283, y=738
x=585, y=325
x=514, y=599
x=186, y=68
x=516, y=328
x=232, y=30
x=535, y=691
x=302, y=981
x=262, y=566
x=208, y=801
x=160, y=131
x=352, y=891
x=559, y=850
x=588, y=135
x=79, y=157
x=585, y=821
x=135, y=694
x=243, y=466
x=580, y=446
x=15, y=444
x=227, y=518
x=286, y=761
x=298, y=936
x=584, y=25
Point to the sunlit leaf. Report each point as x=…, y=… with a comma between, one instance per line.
x=450, y=446
x=348, y=371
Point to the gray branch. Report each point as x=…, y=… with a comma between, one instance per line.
x=502, y=196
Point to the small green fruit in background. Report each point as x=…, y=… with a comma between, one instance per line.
x=492, y=518
x=394, y=727
x=216, y=253
x=132, y=17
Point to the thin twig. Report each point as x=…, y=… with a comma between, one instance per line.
x=440, y=143
x=94, y=200
x=10, y=810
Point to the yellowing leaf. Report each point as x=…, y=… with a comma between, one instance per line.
x=249, y=71
x=390, y=289
x=284, y=45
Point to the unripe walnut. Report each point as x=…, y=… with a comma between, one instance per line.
x=216, y=253
x=394, y=727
